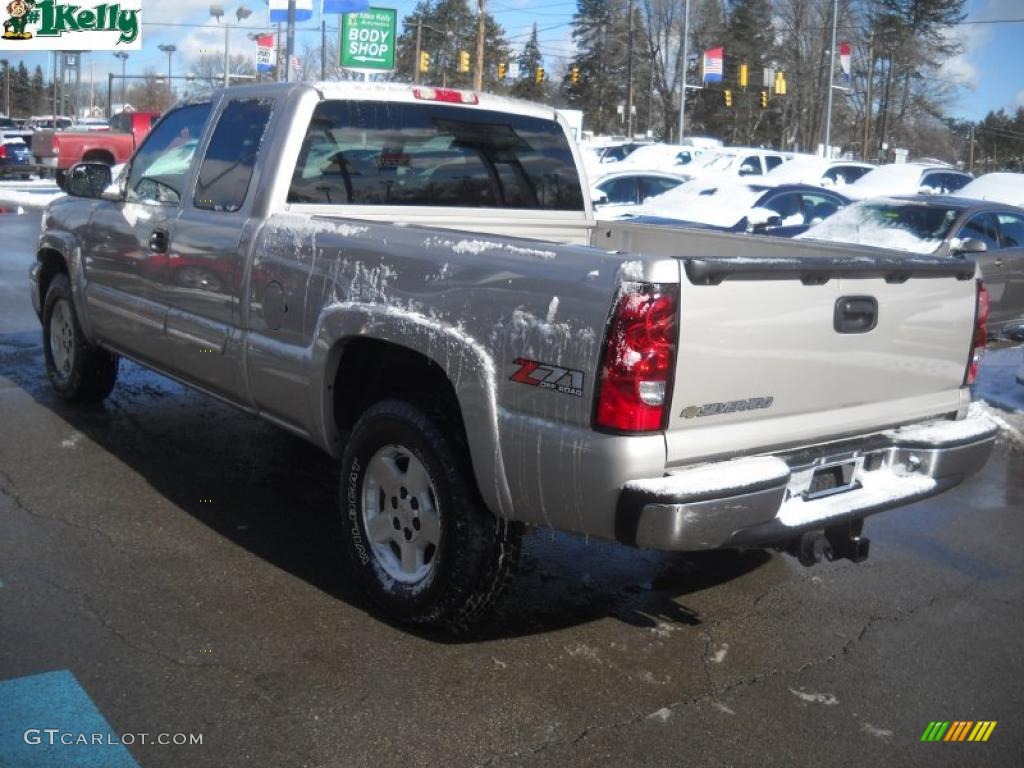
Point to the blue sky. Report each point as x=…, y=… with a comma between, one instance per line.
x=988, y=70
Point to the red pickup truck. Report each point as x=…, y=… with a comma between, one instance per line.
x=59, y=150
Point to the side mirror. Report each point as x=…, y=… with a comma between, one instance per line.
x=599, y=199
x=759, y=219
x=87, y=180
x=969, y=247
x=749, y=170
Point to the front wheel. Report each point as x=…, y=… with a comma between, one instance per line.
x=77, y=369
x=417, y=536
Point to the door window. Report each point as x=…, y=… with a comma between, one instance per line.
x=620, y=190
x=818, y=206
x=751, y=166
x=226, y=171
x=161, y=165
x=981, y=227
x=652, y=185
x=1011, y=229
x=772, y=161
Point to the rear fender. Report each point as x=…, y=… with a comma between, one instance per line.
x=468, y=365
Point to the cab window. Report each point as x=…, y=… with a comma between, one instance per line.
x=384, y=153
x=982, y=227
x=227, y=169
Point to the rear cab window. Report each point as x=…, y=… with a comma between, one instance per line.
x=227, y=168
x=400, y=154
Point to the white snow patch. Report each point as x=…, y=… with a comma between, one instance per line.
x=552, y=310
x=722, y=708
x=939, y=432
x=1014, y=434
x=631, y=271
x=1005, y=188
x=664, y=629
x=38, y=193
x=867, y=224
x=816, y=698
x=582, y=650
x=878, y=487
x=662, y=714
x=346, y=230
x=715, y=477
x=881, y=733
x=476, y=247
x=73, y=441
x=593, y=274
x=499, y=663
x=719, y=656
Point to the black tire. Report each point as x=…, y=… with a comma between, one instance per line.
x=89, y=373
x=477, y=551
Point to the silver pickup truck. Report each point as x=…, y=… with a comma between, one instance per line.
x=412, y=279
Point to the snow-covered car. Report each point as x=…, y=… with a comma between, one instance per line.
x=992, y=234
x=811, y=169
x=996, y=187
x=737, y=161
x=633, y=187
x=908, y=179
x=783, y=211
x=662, y=157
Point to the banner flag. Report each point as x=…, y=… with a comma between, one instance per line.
x=713, y=58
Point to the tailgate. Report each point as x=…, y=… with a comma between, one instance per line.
x=794, y=351
x=43, y=144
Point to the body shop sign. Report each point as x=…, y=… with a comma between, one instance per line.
x=368, y=39
x=85, y=25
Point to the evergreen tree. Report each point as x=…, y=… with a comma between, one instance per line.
x=5, y=74
x=449, y=27
x=21, y=90
x=530, y=60
x=39, y=90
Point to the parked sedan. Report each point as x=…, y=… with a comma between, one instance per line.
x=633, y=187
x=908, y=179
x=784, y=211
x=1005, y=188
x=990, y=233
x=15, y=158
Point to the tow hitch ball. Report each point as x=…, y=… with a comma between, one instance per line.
x=833, y=543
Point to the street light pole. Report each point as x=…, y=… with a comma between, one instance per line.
x=686, y=66
x=291, y=42
x=124, y=81
x=478, y=77
x=169, y=50
x=831, y=76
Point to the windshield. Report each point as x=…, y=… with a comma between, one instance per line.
x=910, y=227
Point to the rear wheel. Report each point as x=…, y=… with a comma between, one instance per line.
x=418, y=537
x=77, y=369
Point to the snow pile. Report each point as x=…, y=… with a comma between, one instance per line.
x=997, y=380
x=858, y=225
x=881, y=486
x=998, y=187
x=34, y=194
x=476, y=247
x=721, y=205
x=712, y=478
x=896, y=179
x=976, y=425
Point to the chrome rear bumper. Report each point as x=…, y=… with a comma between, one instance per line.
x=763, y=500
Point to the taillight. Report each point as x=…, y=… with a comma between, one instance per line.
x=980, y=333
x=449, y=95
x=3, y=152
x=639, y=358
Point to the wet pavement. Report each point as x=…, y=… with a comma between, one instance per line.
x=171, y=563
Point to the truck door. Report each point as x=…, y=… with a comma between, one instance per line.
x=202, y=286
x=126, y=246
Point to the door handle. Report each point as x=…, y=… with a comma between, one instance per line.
x=159, y=241
x=855, y=314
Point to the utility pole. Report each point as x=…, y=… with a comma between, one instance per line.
x=867, y=97
x=686, y=66
x=419, y=50
x=7, y=88
x=970, y=162
x=478, y=78
x=291, y=42
x=323, y=49
x=124, y=81
x=169, y=50
x=831, y=77
x=629, y=76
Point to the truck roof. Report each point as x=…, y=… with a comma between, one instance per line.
x=398, y=92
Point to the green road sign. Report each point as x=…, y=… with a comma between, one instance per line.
x=368, y=39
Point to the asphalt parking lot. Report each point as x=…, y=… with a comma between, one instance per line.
x=168, y=566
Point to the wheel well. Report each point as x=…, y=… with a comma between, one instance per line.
x=53, y=265
x=98, y=156
x=370, y=370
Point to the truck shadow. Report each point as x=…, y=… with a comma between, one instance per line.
x=276, y=496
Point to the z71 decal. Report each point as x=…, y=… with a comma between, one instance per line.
x=563, y=380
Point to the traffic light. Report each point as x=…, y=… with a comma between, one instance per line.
x=780, y=84
x=463, y=61
x=743, y=76
x=727, y=95
x=502, y=70
x=574, y=75
x=424, y=61
x=540, y=75
x=764, y=99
